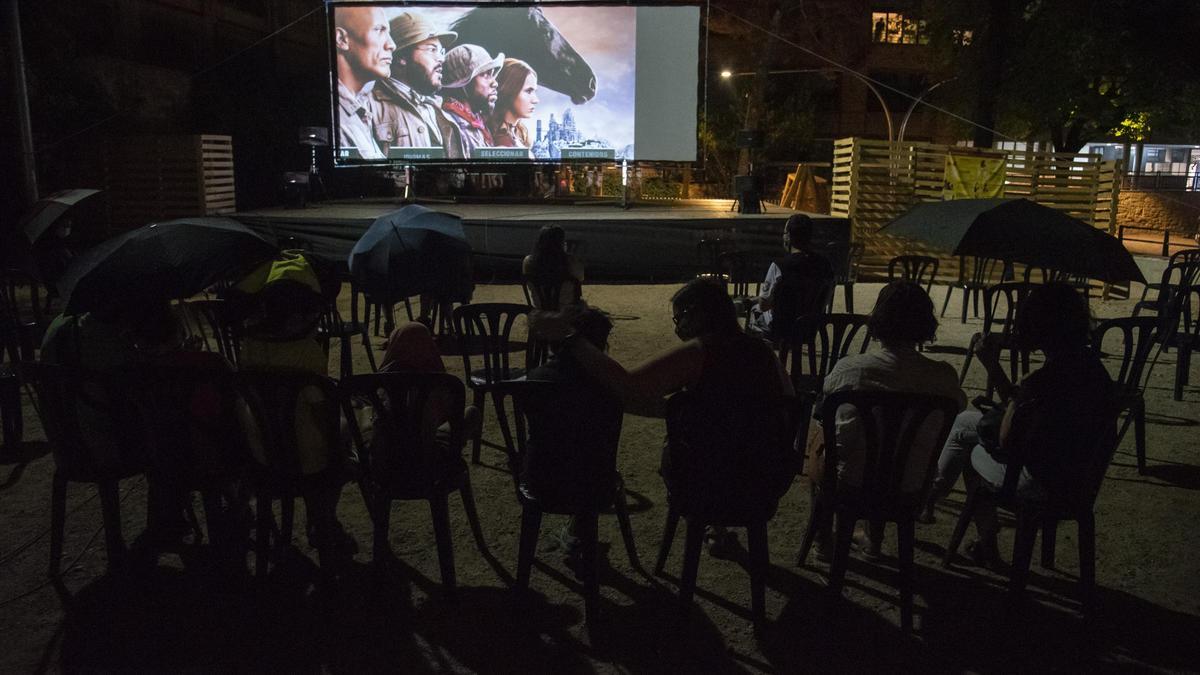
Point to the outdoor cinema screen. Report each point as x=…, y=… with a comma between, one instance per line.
x=428, y=82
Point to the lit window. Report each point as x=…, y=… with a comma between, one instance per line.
x=895, y=28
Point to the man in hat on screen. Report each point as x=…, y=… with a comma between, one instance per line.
x=364, y=54
x=410, y=110
x=469, y=90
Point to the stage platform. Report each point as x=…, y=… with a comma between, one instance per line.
x=650, y=241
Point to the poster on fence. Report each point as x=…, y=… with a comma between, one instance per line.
x=973, y=177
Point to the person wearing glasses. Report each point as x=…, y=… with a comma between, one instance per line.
x=410, y=109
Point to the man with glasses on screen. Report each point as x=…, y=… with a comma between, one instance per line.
x=364, y=54
x=470, y=90
x=410, y=111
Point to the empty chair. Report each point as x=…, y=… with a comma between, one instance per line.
x=1183, y=269
x=334, y=326
x=1001, y=303
x=560, y=466
x=920, y=269
x=414, y=452
x=726, y=467
x=1181, y=327
x=1137, y=335
x=484, y=331
x=95, y=433
x=292, y=422
x=901, y=433
x=971, y=281
x=844, y=259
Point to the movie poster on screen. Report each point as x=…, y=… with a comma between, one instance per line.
x=413, y=82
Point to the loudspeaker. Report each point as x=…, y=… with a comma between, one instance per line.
x=749, y=202
x=749, y=138
x=743, y=183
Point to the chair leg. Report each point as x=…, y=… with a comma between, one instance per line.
x=110, y=507
x=841, y=550
x=1087, y=560
x=818, y=518
x=691, y=559
x=287, y=520
x=664, y=548
x=262, y=533
x=1049, y=539
x=477, y=447
x=848, y=290
x=1139, y=435
x=440, y=509
x=586, y=530
x=756, y=536
x=467, y=493
x=58, y=521
x=960, y=527
x=531, y=523
x=1026, y=533
x=946, y=302
x=1183, y=362
x=502, y=420
x=381, y=519
x=905, y=537
x=626, y=529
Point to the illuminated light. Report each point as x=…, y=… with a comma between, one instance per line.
x=726, y=74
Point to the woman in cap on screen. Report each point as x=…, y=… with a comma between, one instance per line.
x=516, y=100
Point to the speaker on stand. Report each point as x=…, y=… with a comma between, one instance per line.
x=747, y=189
x=314, y=137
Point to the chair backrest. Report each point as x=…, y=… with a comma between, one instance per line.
x=979, y=274
x=291, y=420
x=1137, y=338
x=891, y=424
x=919, y=269
x=565, y=439
x=20, y=297
x=730, y=462
x=736, y=266
x=1181, y=322
x=1001, y=303
x=817, y=342
x=794, y=296
x=485, y=330
x=407, y=409
x=215, y=321
x=90, y=419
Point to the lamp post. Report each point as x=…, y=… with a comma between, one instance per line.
x=917, y=100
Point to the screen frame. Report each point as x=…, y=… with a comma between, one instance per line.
x=335, y=120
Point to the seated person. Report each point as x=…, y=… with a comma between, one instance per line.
x=902, y=319
x=716, y=360
x=550, y=265
x=1046, y=417
x=795, y=285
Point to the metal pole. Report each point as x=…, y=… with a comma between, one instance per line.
x=913, y=106
x=21, y=96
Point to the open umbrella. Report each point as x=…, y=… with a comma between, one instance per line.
x=173, y=259
x=47, y=210
x=413, y=251
x=1017, y=230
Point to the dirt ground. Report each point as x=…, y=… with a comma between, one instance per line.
x=183, y=617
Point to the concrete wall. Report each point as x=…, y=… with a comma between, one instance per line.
x=1175, y=211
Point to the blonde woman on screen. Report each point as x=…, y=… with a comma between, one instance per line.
x=516, y=100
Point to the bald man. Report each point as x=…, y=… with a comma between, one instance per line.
x=364, y=54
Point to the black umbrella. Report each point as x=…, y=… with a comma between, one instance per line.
x=49, y=209
x=175, y=259
x=1017, y=230
x=414, y=251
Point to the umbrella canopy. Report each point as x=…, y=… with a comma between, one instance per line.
x=412, y=251
x=49, y=209
x=1017, y=230
x=174, y=259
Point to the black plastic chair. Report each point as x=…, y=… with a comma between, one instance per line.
x=217, y=324
x=919, y=269
x=485, y=330
x=409, y=457
x=971, y=282
x=1046, y=514
x=22, y=319
x=1043, y=275
x=1001, y=303
x=1138, y=335
x=562, y=466
x=279, y=467
x=96, y=434
x=708, y=255
x=844, y=259
x=726, y=467
x=888, y=491
x=1183, y=269
x=544, y=295
x=1181, y=331
x=334, y=326
x=814, y=345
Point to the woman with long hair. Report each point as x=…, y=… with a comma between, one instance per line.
x=550, y=267
x=516, y=100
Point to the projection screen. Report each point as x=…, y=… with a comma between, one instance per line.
x=438, y=82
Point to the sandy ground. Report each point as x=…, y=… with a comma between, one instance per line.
x=182, y=617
